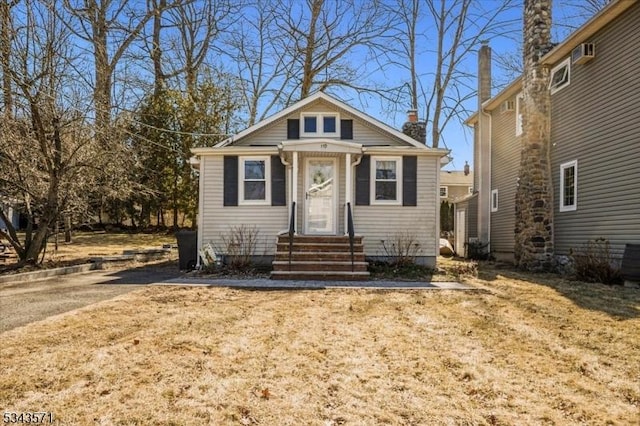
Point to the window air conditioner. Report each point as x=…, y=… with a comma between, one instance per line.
x=583, y=52
x=508, y=106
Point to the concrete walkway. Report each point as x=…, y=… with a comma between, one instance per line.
x=267, y=284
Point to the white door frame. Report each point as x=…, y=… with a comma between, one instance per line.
x=336, y=190
x=460, y=230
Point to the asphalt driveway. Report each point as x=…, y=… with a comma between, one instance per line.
x=27, y=302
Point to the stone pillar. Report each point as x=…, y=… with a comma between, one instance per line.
x=534, y=195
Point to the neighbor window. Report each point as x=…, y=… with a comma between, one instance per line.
x=322, y=124
x=386, y=180
x=471, y=190
x=444, y=191
x=560, y=76
x=569, y=186
x=519, y=99
x=494, y=200
x=254, y=180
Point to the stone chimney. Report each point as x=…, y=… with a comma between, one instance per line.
x=533, y=248
x=415, y=128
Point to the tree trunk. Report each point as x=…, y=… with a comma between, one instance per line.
x=534, y=195
x=67, y=229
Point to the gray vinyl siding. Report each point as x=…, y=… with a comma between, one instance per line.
x=505, y=162
x=363, y=132
x=217, y=220
x=596, y=121
x=377, y=223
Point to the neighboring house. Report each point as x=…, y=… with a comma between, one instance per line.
x=595, y=142
x=455, y=185
x=315, y=158
x=10, y=210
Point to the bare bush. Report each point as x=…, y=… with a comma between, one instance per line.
x=240, y=246
x=401, y=249
x=593, y=262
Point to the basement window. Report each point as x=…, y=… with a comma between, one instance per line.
x=560, y=76
x=569, y=186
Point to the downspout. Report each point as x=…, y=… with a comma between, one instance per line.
x=483, y=111
x=289, y=167
x=200, y=211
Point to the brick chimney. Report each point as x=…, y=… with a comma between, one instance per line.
x=415, y=128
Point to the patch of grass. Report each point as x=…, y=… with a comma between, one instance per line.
x=528, y=349
x=86, y=245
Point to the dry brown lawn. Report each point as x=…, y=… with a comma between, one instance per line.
x=86, y=245
x=521, y=350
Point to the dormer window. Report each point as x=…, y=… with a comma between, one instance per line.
x=323, y=124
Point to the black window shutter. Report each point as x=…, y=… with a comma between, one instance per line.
x=346, y=129
x=230, y=180
x=293, y=129
x=278, y=182
x=363, y=176
x=409, y=180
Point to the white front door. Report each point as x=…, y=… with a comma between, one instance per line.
x=320, y=196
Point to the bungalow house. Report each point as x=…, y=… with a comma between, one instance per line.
x=595, y=141
x=315, y=168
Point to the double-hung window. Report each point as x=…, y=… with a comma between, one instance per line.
x=254, y=180
x=324, y=124
x=569, y=186
x=386, y=180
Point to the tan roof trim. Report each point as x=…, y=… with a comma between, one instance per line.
x=593, y=25
x=239, y=150
x=511, y=90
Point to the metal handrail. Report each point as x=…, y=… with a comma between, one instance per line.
x=292, y=230
x=351, y=231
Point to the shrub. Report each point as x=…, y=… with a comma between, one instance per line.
x=401, y=249
x=239, y=246
x=593, y=262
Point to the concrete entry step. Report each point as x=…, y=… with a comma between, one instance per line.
x=338, y=266
x=320, y=275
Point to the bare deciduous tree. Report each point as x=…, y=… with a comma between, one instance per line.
x=47, y=155
x=460, y=26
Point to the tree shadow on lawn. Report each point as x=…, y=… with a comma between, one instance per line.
x=619, y=302
x=146, y=274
